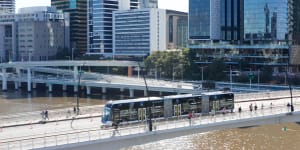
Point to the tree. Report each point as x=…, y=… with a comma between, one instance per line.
x=215, y=71
x=168, y=64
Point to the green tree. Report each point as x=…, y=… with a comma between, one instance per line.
x=215, y=71
x=168, y=64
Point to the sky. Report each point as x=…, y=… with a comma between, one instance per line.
x=180, y=5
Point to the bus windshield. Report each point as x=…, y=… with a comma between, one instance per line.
x=106, y=113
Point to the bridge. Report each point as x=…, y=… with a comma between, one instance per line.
x=86, y=133
x=35, y=73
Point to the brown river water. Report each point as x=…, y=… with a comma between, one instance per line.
x=269, y=137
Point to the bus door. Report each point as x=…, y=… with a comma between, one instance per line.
x=177, y=110
x=142, y=112
x=116, y=115
x=216, y=105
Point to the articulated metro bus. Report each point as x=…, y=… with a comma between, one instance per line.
x=135, y=110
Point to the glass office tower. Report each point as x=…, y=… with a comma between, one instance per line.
x=204, y=19
x=254, y=32
x=231, y=20
x=78, y=23
x=199, y=19
x=265, y=19
x=100, y=34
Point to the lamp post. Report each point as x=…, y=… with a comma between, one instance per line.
x=79, y=89
x=149, y=108
x=290, y=88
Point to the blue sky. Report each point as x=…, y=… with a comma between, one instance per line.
x=180, y=5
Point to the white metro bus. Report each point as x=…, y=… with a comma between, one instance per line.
x=135, y=110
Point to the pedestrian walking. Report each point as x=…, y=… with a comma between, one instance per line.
x=223, y=111
x=46, y=115
x=250, y=107
x=190, y=118
x=240, y=109
x=78, y=110
x=255, y=107
x=262, y=106
x=271, y=105
x=74, y=110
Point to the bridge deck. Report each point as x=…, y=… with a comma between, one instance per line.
x=88, y=129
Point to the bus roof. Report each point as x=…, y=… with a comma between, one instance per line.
x=217, y=93
x=136, y=100
x=180, y=96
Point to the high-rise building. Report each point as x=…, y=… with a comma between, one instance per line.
x=35, y=33
x=139, y=32
x=294, y=31
x=231, y=20
x=254, y=32
x=204, y=19
x=100, y=24
x=177, y=25
x=7, y=6
x=78, y=23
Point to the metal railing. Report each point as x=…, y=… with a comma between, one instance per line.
x=42, y=141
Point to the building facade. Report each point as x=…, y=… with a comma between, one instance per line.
x=36, y=33
x=148, y=4
x=177, y=29
x=252, y=32
x=7, y=34
x=139, y=32
x=78, y=23
x=294, y=30
x=100, y=24
x=7, y=6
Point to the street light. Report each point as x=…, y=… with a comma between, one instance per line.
x=290, y=88
x=78, y=88
x=147, y=93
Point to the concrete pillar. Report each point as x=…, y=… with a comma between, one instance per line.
x=75, y=88
x=50, y=88
x=88, y=90
x=4, y=79
x=131, y=92
x=18, y=71
x=28, y=80
x=16, y=85
x=75, y=73
x=64, y=87
x=121, y=90
x=34, y=85
x=145, y=92
x=103, y=89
